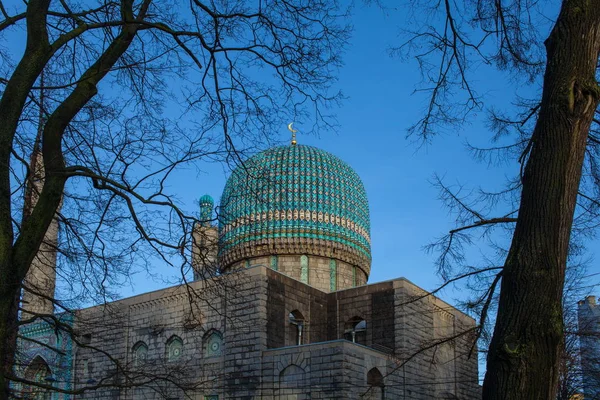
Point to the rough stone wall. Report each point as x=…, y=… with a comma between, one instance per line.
x=383, y=318
x=319, y=273
x=285, y=295
x=230, y=305
x=431, y=362
x=246, y=334
x=466, y=358
x=40, y=281
x=204, y=251
x=332, y=370
x=445, y=379
x=374, y=304
x=251, y=310
x=431, y=346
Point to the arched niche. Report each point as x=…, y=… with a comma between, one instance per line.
x=174, y=348
x=296, y=328
x=213, y=344
x=375, y=385
x=292, y=383
x=139, y=353
x=355, y=330
x=37, y=371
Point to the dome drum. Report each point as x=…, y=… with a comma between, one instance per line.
x=323, y=273
x=294, y=200
x=296, y=245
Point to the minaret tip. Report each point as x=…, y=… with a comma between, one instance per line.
x=291, y=129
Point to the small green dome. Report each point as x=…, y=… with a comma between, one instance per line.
x=294, y=200
x=206, y=200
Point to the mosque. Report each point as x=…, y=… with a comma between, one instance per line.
x=279, y=308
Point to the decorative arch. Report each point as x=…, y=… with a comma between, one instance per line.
x=296, y=328
x=213, y=343
x=139, y=353
x=374, y=377
x=37, y=371
x=375, y=385
x=174, y=348
x=355, y=330
x=292, y=382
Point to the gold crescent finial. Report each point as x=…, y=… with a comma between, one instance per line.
x=291, y=129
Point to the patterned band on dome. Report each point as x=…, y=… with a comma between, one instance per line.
x=295, y=200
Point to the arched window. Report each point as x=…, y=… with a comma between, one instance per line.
x=140, y=353
x=213, y=344
x=304, y=269
x=174, y=348
x=355, y=330
x=37, y=371
x=295, y=328
x=375, y=384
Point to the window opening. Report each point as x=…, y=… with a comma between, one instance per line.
x=214, y=345
x=296, y=320
x=174, y=348
x=140, y=353
x=356, y=330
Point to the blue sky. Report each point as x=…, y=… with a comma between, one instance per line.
x=405, y=211
x=381, y=104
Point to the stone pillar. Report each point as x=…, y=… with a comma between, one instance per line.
x=40, y=281
x=205, y=242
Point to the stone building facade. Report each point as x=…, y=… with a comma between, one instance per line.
x=588, y=313
x=280, y=307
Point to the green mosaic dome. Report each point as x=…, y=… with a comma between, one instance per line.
x=294, y=200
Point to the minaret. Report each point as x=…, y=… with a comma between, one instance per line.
x=40, y=281
x=205, y=241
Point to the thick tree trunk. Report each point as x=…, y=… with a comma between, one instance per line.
x=17, y=254
x=523, y=359
x=13, y=99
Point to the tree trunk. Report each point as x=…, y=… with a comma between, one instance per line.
x=8, y=330
x=13, y=99
x=523, y=359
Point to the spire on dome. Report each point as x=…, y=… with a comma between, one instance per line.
x=294, y=142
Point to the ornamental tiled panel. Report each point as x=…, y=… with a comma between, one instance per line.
x=295, y=200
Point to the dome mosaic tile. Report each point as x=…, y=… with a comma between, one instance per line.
x=295, y=200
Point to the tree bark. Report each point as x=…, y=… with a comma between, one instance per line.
x=523, y=359
x=36, y=55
